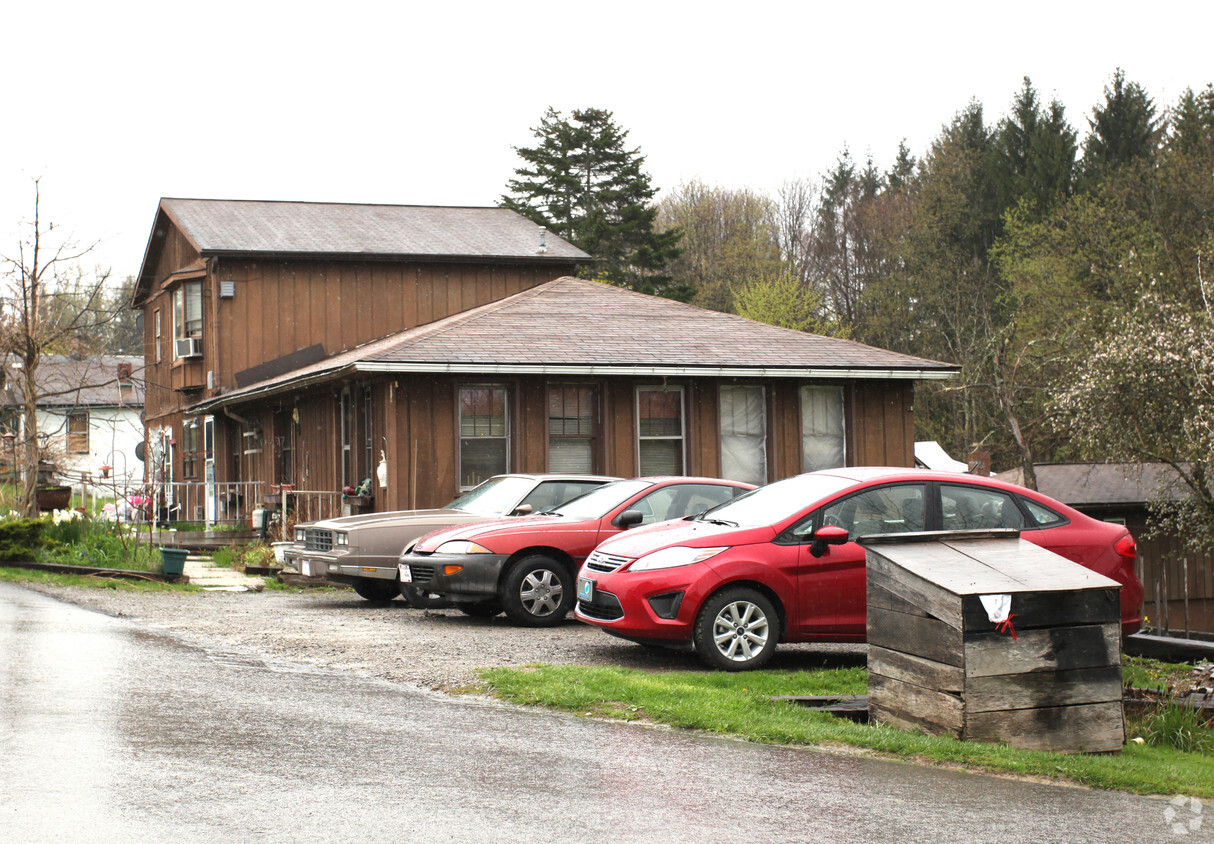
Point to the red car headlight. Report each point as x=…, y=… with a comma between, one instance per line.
x=669, y=558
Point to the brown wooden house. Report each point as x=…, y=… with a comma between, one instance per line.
x=305, y=343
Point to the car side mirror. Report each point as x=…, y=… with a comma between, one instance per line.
x=827, y=535
x=629, y=518
x=521, y=510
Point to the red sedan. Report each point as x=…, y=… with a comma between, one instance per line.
x=769, y=567
x=526, y=565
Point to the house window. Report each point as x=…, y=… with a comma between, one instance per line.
x=484, y=434
x=156, y=332
x=744, y=434
x=191, y=449
x=822, y=433
x=660, y=430
x=78, y=432
x=187, y=310
x=572, y=428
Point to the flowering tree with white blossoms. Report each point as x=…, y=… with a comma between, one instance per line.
x=1146, y=394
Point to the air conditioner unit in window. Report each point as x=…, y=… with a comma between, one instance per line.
x=189, y=347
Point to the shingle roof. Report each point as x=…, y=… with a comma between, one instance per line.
x=574, y=326
x=81, y=382
x=219, y=227
x=1095, y=484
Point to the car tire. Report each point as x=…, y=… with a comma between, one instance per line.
x=737, y=630
x=422, y=600
x=376, y=590
x=486, y=609
x=537, y=592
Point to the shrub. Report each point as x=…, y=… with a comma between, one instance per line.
x=21, y=539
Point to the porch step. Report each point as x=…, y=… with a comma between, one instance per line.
x=202, y=571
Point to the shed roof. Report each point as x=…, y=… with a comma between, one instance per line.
x=65, y=381
x=572, y=326
x=1103, y=484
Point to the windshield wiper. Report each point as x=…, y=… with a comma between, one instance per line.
x=721, y=522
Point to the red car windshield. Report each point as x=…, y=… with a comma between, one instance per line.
x=776, y=502
x=600, y=502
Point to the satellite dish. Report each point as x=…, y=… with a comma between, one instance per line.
x=140, y=450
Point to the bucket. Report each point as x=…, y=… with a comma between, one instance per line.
x=172, y=561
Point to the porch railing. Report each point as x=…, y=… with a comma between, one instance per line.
x=230, y=503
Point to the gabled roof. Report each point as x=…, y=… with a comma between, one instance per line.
x=575, y=327
x=1104, y=484
x=68, y=382
x=219, y=227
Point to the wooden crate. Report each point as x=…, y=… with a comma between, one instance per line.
x=938, y=663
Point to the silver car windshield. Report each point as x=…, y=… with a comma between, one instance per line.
x=776, y=502
x=600, y=502
x=495, y=497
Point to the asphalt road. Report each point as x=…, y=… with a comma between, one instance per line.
x=109, y=732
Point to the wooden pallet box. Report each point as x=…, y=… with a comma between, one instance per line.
x=1048, y=680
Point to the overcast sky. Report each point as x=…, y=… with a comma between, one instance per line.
x=114, y=105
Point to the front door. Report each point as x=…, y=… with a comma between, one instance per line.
x=208, y=470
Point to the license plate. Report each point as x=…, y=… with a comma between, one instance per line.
x=305, y=568
x=406, y=573
x=585, y=589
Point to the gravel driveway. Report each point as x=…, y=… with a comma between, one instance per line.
x=438, y=649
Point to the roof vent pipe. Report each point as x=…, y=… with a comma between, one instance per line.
x=543, y=240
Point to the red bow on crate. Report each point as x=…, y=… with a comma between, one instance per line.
x=1005, y=626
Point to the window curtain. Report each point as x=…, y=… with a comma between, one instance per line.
x=744, y=434
x=822, y=434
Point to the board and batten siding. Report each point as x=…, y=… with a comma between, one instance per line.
x=417, y=420
x=279, y=307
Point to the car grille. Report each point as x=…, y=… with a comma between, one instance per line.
x=316, y=539
x=421, y=574
x=605, y=607
x=598, y=561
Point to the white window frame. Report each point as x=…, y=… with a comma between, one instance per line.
x=591, y=439
x=681, y=437
x=183, y=325
x=459, y=433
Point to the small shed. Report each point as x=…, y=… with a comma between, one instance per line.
x=984, y=636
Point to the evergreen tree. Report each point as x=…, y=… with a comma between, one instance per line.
x=903, y=172
x=1124, y=128
x=1192, y=123
x=1034, y=154
x=582, y=182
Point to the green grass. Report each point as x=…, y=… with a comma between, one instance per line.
x=20, y=575
x=739, y=705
